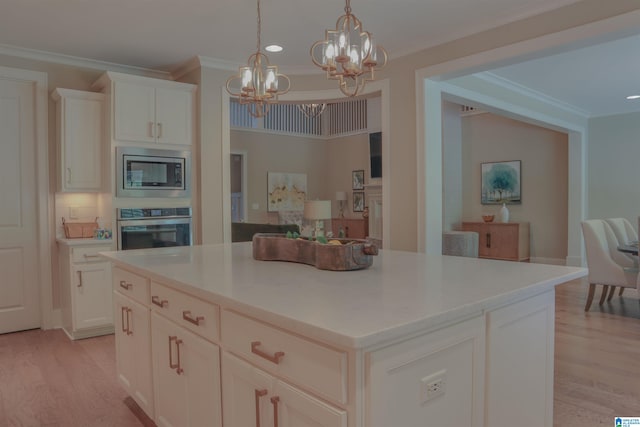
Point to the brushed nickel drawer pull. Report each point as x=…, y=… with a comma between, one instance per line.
x=274, y=401
x=79, y=278
x=159, y=125
x=125, y=285
x=156, y=300
x=273, y=359
x=175, y=366
x=91, y=256
x=186, y=315
x=151, y=129
x=258, y=394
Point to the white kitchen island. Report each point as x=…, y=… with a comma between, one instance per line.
x=206, y=335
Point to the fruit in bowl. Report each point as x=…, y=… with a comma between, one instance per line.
x=488, y=218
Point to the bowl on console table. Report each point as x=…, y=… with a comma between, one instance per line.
x=488, y=218
x=351, y=254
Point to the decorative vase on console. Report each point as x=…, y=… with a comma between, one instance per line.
x=504, y=213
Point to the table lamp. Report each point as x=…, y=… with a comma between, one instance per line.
x=341, y=197
x=318, y=211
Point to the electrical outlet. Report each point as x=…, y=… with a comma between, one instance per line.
x=74, y=212
x=433, y=386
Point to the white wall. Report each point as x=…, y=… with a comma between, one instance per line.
x=451, y=166
x=544, y=156
x=613, y=162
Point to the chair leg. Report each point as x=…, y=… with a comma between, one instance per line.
x=592, y=291
x=611, y=292
x=621, y=291
x=605, y=289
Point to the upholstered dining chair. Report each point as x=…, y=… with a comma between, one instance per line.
x=624, y=233
x=600, y=243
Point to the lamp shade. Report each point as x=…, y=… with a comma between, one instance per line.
x=341, y=195
x=317, y=209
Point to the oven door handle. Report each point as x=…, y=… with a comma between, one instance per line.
x=146, y=222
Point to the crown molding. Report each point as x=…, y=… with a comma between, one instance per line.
x=75, y=61
x=221, y=64
x=531, y=93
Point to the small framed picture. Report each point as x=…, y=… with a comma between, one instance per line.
x=358, y=201
x=358, y=179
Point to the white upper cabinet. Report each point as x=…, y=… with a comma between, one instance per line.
x=149, y=110
x=79, y=118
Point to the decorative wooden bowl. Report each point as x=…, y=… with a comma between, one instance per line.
x=353, y=254
x=488, y=218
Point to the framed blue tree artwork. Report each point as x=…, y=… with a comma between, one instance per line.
x=501, y=182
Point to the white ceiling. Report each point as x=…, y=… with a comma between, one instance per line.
x=163, y=34
x=595, y=79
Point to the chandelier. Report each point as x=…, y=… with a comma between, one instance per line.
x=259, y=81
x=311, y=110
x=348, y=54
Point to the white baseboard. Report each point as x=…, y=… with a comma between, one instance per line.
x=550, y=261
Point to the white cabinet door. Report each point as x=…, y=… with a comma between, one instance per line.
x=246, y=393
x=187, y=376
x=133, y=350
x=255, y=398
x=174, y=116
x=294, y=408
x=91, y=287
x=134, y=112
x=79, y=117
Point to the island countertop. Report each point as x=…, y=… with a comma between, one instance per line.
x=401, y=293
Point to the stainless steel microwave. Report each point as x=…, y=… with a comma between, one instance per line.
x=144, y=172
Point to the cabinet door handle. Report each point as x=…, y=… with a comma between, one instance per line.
x=488, y=240
x=129, y=331
x=87, y=256
x=79, y=278
x=175, y=366
x=125, y=285
x=258, y=394
x=68, y=175
x=151, y=129
x=273, y=359
x=159, y=125
x=274, y=402
x=156, y=300
x=122, y=312
x=186, y=315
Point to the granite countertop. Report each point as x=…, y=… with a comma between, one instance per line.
x=401, y=293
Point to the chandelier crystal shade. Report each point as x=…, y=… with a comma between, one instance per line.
x=349, y=54
x=258, y=84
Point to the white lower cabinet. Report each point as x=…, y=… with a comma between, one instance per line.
x=186, y=371
x=254, y=398
x=85, y=280
x=133, y=350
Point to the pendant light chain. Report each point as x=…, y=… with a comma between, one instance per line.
x=347, y=7
x=259, y=28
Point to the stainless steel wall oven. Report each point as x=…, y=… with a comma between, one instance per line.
x=154, y=228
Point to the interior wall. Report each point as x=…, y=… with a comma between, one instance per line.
x=544, y=155
x=613, y=155
x=452, y=166
x=268, y=152
x=345, y=155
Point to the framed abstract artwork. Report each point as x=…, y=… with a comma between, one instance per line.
x=501, y=182
x=358, y=201
x=286, y=191
x=357, y=178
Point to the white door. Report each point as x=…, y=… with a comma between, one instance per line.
x=174, y=116
x=19, y=289
x=134, y=111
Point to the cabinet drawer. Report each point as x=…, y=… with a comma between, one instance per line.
x=313, y=366
x=88, y=253
x=131, y=284
x=196, y=315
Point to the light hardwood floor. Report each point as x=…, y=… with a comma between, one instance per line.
x=48, y=380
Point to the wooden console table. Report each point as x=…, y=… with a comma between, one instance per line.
x=506, y=241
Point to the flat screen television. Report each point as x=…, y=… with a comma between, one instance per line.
x=375, y=155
